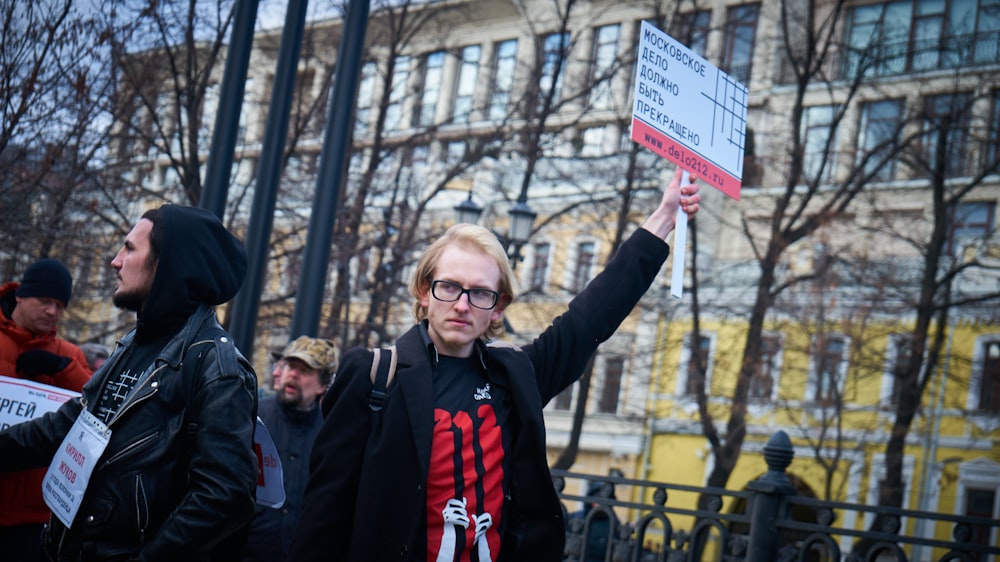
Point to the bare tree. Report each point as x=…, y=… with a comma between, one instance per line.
x=168, y=58
x=812, y=195
x=50, y=98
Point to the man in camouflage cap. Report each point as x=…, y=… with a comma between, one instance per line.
x=292, y=417
x=307, y=366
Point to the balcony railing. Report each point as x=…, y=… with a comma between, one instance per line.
x=897, y=59
x=767, y=522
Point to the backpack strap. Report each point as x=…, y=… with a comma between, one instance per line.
x=382, y=372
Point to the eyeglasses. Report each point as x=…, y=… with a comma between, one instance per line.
x=447, y=291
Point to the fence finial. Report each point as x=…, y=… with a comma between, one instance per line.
x=778, y=454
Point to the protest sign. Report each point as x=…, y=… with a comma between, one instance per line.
x=22, y=400
x=69, y=472
x=690, y=113
x=270, y=482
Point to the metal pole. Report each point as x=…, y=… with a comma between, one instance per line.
x=766, y=504
x=247, y=303
x=336, y=146
x=227, y=119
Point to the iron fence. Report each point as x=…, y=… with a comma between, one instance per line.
x=767, y=522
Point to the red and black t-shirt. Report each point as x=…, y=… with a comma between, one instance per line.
x=468, y=467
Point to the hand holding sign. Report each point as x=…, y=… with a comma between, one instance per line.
x=692, y=114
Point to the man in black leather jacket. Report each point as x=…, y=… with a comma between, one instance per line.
x=178, y=475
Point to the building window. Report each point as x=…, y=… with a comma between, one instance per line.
x=917, y=35
x=696, y=377
x=592, y=142
x=362, y=271
x=584, y=266
x=366, y=97
x=740, y=33
x=455, y=153
x=946, y=119
x=969, y=222
x=980, y=503
x=608, y=402
x=897, y=357
x=694, y=30
x=414, y=167
x=880, y=124
x=292, y=271
x=876, y=40
x=819, y=140
x=210, y=106
x=433, y=64
x=992, y=152
x=765, y=370
x=989, y=377
x=605, y=63
x=829, y=369
x=928, y=29
x=397, y=93
x=503, y=78
x=540, y=267
x=465, y=84
x=554, y=61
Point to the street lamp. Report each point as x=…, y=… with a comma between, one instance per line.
x=522, y=220
x=468, y=211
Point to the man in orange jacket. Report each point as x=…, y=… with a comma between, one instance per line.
x=30, y=349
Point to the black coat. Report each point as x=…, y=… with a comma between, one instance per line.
x=179, y=473
x=366, y=496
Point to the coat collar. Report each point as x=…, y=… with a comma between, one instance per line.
x=479, y=349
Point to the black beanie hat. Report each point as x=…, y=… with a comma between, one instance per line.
x=46, y=278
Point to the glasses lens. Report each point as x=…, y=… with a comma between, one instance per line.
x=482, y=298
x=451, y=292
x=445, y=291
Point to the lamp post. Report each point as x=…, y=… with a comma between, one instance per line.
x=522, y=220
x=468, y=211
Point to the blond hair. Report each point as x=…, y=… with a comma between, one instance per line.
x=474, y=238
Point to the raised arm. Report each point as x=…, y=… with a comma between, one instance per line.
x=662, y=220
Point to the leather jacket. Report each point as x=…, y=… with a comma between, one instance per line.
x=179, y=473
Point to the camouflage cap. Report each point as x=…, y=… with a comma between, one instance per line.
x=318, y=353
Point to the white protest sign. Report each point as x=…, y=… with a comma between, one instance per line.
x=692, y=114
x=71, y=467
x=689, y=111
x=270, y=482
x=22, y=400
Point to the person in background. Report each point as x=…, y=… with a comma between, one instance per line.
x=276, y=370
x=30, y=349
x=175, y=474
x=603, y=525
x=292, y=418
x=96, y=354
x=450, y=463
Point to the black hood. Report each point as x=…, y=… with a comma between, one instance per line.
x=200, y=262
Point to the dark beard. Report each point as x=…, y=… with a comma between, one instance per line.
x=129, y=301
x=293, y=402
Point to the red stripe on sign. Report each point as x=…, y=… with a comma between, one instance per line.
x=686, y=159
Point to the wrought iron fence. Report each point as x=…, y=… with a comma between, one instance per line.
x=767, y=522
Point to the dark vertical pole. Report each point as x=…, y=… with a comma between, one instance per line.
x=227, y=119
x=247, y=303
x=336, y=145
x=768, y=490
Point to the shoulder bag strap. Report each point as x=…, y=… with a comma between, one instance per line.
x=382, y=371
